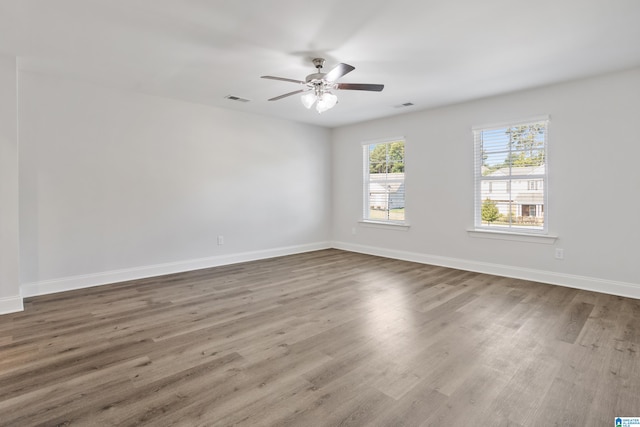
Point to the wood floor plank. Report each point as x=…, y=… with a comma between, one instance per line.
x=573, y=321
x=412, y=409
x=470, y=403
x=323, y=338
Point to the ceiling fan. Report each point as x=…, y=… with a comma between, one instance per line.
x=318, y=86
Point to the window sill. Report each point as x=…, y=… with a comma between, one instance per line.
x=546, y=239
x=383, y=224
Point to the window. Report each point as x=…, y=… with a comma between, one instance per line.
x=511, y=158
x=384, y=181
x=528, y=210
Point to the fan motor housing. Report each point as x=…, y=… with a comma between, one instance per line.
x=315, y=76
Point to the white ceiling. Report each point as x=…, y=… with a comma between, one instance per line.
x=428, y=52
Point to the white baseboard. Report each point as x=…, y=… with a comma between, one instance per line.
x=11, y=304
x=623, y=289
x=88, y=280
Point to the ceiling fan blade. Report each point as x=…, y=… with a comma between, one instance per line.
x=288, y=94
x=338, y=71
x=359, y=86
x=282, y=79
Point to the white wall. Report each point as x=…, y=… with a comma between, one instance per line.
x=117, y=185
x=594, y=186
x=10, y=299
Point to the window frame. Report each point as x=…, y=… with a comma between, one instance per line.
x=542, y=180
x=366, y=183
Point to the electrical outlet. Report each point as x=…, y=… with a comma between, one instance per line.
x=559, y=253
x=220, y=240
x=353, y=230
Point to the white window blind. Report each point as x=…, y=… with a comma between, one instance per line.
x=384, y=194
x=511, y=177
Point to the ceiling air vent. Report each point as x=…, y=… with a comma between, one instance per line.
x=236, y=98
x=406, y=104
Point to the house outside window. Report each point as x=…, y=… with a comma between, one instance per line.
x=384, y=169
x=511, y=177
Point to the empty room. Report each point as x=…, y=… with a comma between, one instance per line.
x=291, y=213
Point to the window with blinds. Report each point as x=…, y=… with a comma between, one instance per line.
x=511, y=177
x=384, y=193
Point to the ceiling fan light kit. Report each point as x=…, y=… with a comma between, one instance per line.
x=318, y=86
x=324, y=101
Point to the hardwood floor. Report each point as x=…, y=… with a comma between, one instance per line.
x=328, y=338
